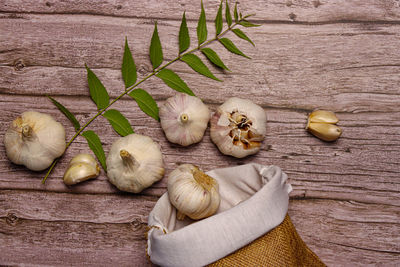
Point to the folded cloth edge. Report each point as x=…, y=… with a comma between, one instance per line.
x=210, y=239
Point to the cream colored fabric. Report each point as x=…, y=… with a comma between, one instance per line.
x=254, y=200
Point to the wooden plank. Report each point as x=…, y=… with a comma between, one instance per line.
x=104, y=229
x=118, y=208
x=66, y=243
x=351, y=67
x=285, y=11
x=362, y=165
x=344, y=233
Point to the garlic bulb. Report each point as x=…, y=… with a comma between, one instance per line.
x=134, y=163
x=34, y=139
x=321, y=123
x=82, y=167
x=184, y=119
x=238, y=127
x=192, y=192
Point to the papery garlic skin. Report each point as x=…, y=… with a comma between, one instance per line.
x=192, y=192
x=134, y=163
x=184, y=119
x=34, y=139
x=321, y=123
x=81, y=168
x=238, y=127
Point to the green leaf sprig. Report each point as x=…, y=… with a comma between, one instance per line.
x=144, y=100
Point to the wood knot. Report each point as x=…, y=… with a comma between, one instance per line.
x=137, y=224
x=292, y=16
x=19, y=64
x=144, y=69
x=11, y=219
x=316, y=3
x=118, y=7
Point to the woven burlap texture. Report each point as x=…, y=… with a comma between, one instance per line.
x=282, y=246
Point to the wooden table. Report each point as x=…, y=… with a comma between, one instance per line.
x=337, y=55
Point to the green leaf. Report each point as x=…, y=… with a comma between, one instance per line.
x=145, y=102
x=128, y=67
x=197, y=65
x=248, y=16
x=228, y=15
x=184, y=38
x=214, y=58
x=171, y=79
x=98, y=92
x=66, y=112
x=95, y=145
x=239, y=33
x=231, y=47
x=247, y=24
x=118, y=121
x=235, y=13
x=218, y=20
x=156, y=54
x=201, y=26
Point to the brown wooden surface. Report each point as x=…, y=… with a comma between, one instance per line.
x=338, y=55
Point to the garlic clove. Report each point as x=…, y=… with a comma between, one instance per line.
x=323, y=116
x=84, y=158
x=324, y=131
x=192, y=192
x=81, y=168
x=184, y=119
x=80, y=172
x=34, y=139
x=238, y=127
x=321, y=123
x=134, y=163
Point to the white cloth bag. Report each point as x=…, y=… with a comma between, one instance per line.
x=254, y=200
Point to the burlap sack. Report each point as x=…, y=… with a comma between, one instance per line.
x=250, y=228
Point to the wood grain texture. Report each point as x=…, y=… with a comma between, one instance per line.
x=288, y=69
x=328, y=226
x=338, y=55
x=312, y=11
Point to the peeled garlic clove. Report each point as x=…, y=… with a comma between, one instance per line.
x=238, y=127
x=325, y=131
x=323, y=116
x=134, y=163
x=192, y=192
x=34, y=139
x=184, y=119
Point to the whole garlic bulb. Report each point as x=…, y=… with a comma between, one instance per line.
x=184, y=119
x=238, y=127
x=192, y=192
x=82, y=167
x=134, y=163
x=34, y=139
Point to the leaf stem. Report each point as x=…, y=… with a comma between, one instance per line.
x=129, y=89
